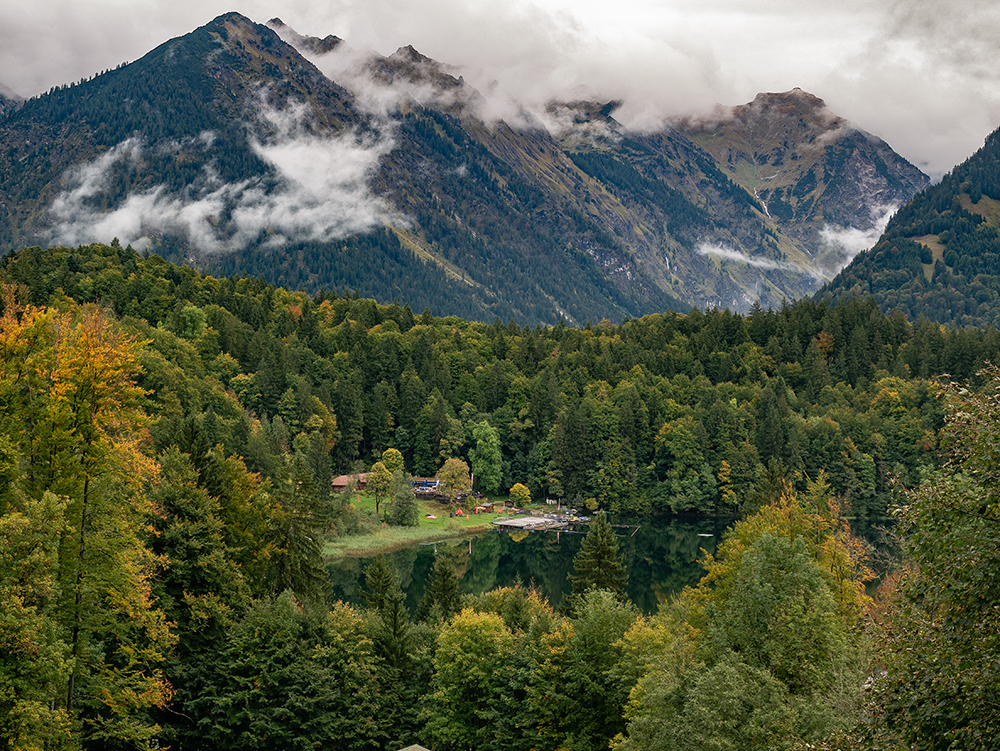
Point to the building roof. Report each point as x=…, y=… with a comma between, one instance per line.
x=344, y=480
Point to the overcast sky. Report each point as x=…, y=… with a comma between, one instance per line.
x=919, y=73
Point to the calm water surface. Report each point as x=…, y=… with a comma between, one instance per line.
x=663, y=556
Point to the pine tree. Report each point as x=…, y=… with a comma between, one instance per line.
x=391, y=622
x=598, y=564
x=442, y=599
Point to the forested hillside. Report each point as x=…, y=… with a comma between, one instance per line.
x=166, y=449
x=700, y=412
x=940, y=254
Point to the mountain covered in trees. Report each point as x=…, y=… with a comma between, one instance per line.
x=940, y=254
x=703, y=412
x=167, y=445
x=246, y=148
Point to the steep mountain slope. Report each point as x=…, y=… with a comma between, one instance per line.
x=940, y=254
x=9, y=101
x=248, y=148
x=811, y=171
x=228, y=148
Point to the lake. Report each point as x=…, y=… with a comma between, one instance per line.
x=663, y=555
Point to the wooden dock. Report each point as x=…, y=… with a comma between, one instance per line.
x=535, y=523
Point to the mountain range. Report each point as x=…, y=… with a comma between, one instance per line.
x=249, y=148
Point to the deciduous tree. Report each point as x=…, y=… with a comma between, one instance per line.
x=520, y=495
x=486, y=457
x=379, y=480
x=455, y=477
x=940, y=631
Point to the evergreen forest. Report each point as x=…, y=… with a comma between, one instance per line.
x=168, y=442
x=940, y=254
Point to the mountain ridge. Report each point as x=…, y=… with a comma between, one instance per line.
x=231, y=148
x=940, y=254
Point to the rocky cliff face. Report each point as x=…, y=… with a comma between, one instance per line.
x=822, y=181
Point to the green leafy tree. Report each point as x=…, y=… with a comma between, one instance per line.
x=575, y=700
x=404, y=510
x=730, y=705
x=379, y=482
x=945, y=694
x=468, y=665
x=757, y=655
x=486, y=457
x=455, y=476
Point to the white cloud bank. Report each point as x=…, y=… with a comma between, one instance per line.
x=839, y=246
x=731, y=254
x=918, y=73
x=321, y=194
x=849, y=241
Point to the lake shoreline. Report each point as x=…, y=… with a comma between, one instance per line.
x=363, y=546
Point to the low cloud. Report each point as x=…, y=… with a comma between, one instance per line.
x=365, y=74
x=731, y=254
x=847, y=242
x=918, y=73
x=319, y=191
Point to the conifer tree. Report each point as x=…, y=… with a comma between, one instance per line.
x=598, y=564
x=391, y=622
x=442, y=599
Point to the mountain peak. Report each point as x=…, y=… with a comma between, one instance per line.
x=408, y=64
x=796, y=97
x=312, y=44
x=766, y=108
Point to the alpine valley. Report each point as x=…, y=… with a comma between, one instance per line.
x=248, y=148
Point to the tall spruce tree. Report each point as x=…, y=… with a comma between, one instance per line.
x=599, y=565
x=442, y=599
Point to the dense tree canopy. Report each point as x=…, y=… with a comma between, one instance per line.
x=165, y=489
x=948, y=601
x=700, y=412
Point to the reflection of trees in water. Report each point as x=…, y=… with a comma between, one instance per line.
x=481, y=572
x=404, y=560
x=662, y=557
x=346, y=577
x=665, y=556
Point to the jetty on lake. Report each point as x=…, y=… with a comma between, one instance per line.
x=533, y=523
x=553, y=522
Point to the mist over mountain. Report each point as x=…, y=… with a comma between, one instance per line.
x=245, y=148
x=8, y=100
x=940, y=254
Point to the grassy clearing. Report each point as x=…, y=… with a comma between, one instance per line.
x=387, y=539
x=987, y=208
x=932, y=243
